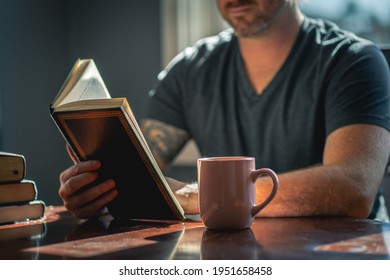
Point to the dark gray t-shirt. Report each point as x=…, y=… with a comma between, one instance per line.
x=330, y=79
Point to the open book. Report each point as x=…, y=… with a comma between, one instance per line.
x=99, y=127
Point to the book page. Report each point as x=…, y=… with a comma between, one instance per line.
x=89, y=86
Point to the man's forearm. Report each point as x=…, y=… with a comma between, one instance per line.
x=345, y=184
x=186, y=194
x=319, y=190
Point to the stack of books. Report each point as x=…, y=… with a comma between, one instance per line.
x=18, y=195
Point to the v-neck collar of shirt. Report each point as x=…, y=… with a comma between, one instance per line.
x=249, y=91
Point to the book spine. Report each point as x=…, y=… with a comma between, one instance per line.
x=12, y=167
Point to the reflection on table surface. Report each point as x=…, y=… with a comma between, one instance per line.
x=61, y=236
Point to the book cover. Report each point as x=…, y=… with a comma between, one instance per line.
x=17, y=192
x=16, y=213
x=22, y=230
x=105, y=129
x=12, y=167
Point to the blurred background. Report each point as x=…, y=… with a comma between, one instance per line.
x=130, y=41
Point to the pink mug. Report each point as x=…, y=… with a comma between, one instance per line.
x=227, y=191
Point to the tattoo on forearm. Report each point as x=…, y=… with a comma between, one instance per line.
x=165, y=141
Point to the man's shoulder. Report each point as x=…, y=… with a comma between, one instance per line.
x=222, y=38
x=327, y=31
x=330, y=38
x=206, y=51
x=212, y=44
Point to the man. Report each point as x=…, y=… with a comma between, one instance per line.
x=303, y=97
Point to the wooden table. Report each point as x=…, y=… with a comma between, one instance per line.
x=61, y=236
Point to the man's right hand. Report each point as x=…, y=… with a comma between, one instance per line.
x=85, y=202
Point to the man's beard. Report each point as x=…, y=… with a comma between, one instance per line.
x=254, y=28
x=258, y=24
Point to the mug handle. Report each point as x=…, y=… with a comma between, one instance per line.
x=254, y=175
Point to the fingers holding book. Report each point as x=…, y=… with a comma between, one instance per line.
x=81, y=193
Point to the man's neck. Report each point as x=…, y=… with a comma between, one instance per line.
x=264, y=55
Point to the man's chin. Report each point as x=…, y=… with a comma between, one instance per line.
x=249, y=28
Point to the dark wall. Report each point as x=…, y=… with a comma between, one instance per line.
x=40, y=41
